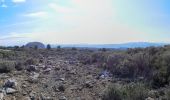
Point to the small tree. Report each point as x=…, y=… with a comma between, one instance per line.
x=35, y=47
x=48, y=46
x=59, y=47
x=16, y=47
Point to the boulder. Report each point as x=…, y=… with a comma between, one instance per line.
x=32, y=68
x=10, y=91
x=62, y=98
x=1, y=96
x=35, y=75
x=33, y=78
x=11, y=83
x=104, y=74
x=61, y=88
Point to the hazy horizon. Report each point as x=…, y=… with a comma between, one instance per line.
x=84, y=21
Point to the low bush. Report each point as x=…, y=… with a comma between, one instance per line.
x=128, y=92
x=113, y=94
x=7, y=54
x=168, y=95
x=7, y=66
x=31, y=61
x=19, y=65
x=135, y=92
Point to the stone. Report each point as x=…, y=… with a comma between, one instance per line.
x=49, y=62
x=47, y=98
x=11, y=83
x=140, y=78
x=57, y=68
x=153, y=93
x=24, y=86
x=2, y=90
x=149, y=98
x=89, y=77
x=61, y=88
x=10, y=91
x=35, y=75
x=43, y=97
x=62, y=79
x=62, y=98
x=32, y=68
x=88, y=84
x=32, y=96
x=27, y=98
x=24, y=93
x=1, y=96
x=13, y=98
x=104, y=74
x=68, y=68
x=41, y=66
x=33, y=78
x=30, y=80
x=73, y=72
x=47, y=70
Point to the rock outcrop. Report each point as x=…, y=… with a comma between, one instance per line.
x=37, y=45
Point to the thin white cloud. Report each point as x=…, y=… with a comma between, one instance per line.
x=15, y=39
x=30, y=22
x=18, y=1
x=2, y=0
x=61, y=9
x=14, y=35
x=40, y=14
x=4, y=6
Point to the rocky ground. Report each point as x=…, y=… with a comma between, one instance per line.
x=77, y=74
x=57, y=77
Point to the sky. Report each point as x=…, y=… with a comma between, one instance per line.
x=84, y=21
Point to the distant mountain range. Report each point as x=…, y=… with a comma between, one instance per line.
x=114, y=46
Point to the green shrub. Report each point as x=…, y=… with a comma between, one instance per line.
x=130, y=65
x=85, y=59
x=113, y=94
x=168, y=95
x=98, y=57
x=114, y=64
x=48, y=46
x=31, y=61
x=159, y=80
x=19, y=65
x=7, y=54
x=74, y=48
x=128, y=92
x=162, y=70
x=135, y=92
x=7, y=66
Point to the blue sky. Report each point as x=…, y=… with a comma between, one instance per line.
x=84, y=21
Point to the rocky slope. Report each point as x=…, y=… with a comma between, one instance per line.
x=57, y=77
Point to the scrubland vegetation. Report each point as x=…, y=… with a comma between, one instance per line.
x=136, y=74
